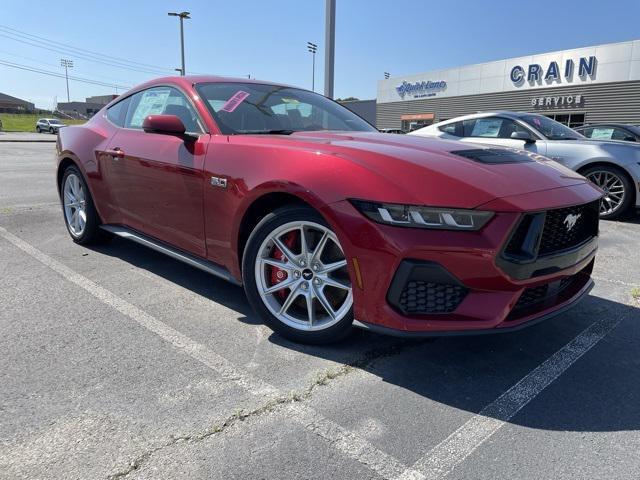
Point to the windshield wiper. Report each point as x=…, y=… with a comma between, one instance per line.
x=280, y=131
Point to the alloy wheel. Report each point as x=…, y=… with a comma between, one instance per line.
x=302, y=277
x=614, y=191
x=75, y=209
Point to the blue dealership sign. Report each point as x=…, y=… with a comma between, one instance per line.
x=421, y=89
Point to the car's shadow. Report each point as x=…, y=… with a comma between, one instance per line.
x=601, y=392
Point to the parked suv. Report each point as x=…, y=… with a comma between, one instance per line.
x=51, y=125
x=613, y=166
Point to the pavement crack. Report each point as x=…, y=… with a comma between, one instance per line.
x=323, y=378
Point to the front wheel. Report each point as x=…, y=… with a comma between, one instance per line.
x=296, y=276
x=38, y=130
x=618, y=190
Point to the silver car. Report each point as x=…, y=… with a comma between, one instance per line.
x=51, y=125
x=613, y=166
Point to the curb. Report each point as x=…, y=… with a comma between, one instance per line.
x=26, y=141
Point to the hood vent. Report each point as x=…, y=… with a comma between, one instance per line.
x=493, y=156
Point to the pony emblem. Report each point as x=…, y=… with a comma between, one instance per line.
x=570, y=220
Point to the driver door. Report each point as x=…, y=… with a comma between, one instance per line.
x=157, y=179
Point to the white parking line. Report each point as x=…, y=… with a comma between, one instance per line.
x=348, y=443
x=452, y=451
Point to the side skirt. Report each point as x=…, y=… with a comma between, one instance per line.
x=158, y=246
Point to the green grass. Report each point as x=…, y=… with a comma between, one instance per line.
x=16, y=122
x=635, y=293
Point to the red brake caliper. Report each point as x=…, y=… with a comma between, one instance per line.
x=278, y=275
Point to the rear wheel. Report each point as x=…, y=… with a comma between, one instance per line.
x=296, y=277
x=618, y=190
x=80, y=215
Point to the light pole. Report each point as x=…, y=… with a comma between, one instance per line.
x=67, y=64
x=182, y=16
x=329, y=46
x=386, y=75
x=313, y=48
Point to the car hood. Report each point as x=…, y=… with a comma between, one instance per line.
x=400, y=168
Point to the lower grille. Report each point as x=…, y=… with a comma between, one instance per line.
x=420, y=297
x=531, y=296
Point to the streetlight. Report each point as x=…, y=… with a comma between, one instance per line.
x=67, y=64
x=179, y=70
x=386, y=75
x=182, y=16
x=313, y=48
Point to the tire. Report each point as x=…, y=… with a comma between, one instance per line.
x=612, y=179
x=318, y=277
x=83, y=231
x=38, y=130
x=51, y=130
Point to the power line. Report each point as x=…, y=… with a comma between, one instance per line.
x=61, y=75
x=84, y=57
x=28, y=36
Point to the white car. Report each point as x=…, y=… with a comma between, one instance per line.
x=51, y=125
x=612, y=165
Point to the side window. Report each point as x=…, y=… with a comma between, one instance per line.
x=602, y=133
x=162, y=101
x=587, y=132
x=619, y=134
x=117, y=113
x=454, y=128
x=491, y=127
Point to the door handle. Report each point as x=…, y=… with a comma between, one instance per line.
x=115, y=153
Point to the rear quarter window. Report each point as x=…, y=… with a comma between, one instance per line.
x=118, y=112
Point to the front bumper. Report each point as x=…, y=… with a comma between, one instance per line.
x=491, y=299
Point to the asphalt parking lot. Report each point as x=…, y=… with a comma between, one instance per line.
x=117, y=362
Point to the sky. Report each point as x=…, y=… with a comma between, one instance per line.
x=267, y=39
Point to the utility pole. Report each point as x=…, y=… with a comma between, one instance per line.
x=330, y=45
x=313, y=48
x=181, y=16
x=67, y=64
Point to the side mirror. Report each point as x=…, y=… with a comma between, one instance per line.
x=166, y=124
x=521, y=135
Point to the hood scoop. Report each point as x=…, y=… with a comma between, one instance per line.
x=494, y=156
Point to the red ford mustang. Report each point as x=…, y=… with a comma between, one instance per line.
x=326, y=222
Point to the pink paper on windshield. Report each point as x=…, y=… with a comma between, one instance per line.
x=234, y=101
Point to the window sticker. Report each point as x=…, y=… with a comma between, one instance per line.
x=602, y=133
x=152, y=102
x=234, y=101
x=486, y=127
x=290, y=100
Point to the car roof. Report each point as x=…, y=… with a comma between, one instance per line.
x=196, y=79
x=501, y=113
x=607, y=124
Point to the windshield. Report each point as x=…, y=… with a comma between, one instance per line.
x=551, y=129
x=251, y=108
x=55, y=122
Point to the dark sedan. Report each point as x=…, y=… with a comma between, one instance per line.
x=611, y=131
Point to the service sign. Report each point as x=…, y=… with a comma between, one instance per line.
x=558, y=101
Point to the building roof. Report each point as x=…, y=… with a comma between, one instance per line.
x=6, y=99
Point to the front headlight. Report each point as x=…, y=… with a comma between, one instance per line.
x=416, y=216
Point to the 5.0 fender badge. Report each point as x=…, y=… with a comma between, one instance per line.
x=219, y=182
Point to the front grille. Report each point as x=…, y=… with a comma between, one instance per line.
x=566, y=228
x=420, y=297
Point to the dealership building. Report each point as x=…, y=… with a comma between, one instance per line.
x=575, y=87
